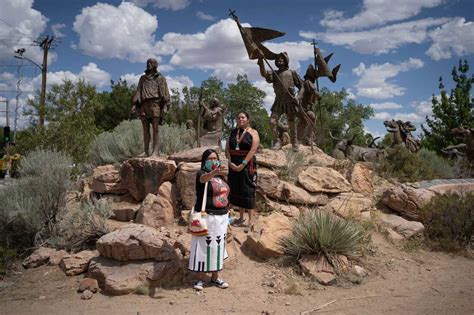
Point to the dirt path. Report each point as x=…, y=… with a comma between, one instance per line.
x=399, y=283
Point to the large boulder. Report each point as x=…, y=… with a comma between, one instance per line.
x=323, y=179
x=407, y=200
x=264, y=240
x=271, y=158
x=142, y=176
x=106, y=180
x=192, y=155
x=316, y=157
x=286, y=209
x=158, y=210
x=350, y=205
x=361, y=179
x=267, y=181
x=293, y=194
x=136, y=241
x=119, y=278
x=186, y=183
x=400, y=225
x=75, y=264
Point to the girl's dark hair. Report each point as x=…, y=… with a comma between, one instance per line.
x=205, y=155
x=245, y=113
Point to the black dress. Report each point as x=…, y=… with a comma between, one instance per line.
x=242, y=184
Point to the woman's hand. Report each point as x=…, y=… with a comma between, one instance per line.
x=239, y=168
x=233, y=166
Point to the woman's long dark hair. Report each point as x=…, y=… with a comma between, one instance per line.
x=205, y=155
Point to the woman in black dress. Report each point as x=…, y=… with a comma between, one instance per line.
x=241, y=147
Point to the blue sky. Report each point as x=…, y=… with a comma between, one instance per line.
x=392, y=52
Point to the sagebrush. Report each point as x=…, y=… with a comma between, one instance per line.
x=126, y=141
x=31, y=206
x=321, y=233
x=449, y=222
x=412, y=167
x=294, y=164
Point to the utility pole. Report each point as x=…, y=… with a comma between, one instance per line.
x=45, y=44
x=6, y=137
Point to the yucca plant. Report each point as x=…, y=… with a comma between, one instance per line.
x=321, y=233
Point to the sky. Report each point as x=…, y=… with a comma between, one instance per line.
x=392, y=52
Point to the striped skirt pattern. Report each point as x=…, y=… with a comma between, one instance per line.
x=208, y=252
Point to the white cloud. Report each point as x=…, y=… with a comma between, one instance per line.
x=173, y=5
x=385, y=105
x=131, y=78
x=373, y=79
x=380, y=40
x=382, y=116
x=20, y=25
x=220, y=49
x=123, y=32
x=205, y=17
x=56, y=28
x=90, y=74
x=455, y=37
x=377, y=12
x=413, y=117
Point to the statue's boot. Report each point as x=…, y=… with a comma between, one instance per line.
x=156, y=150
x=276, y=144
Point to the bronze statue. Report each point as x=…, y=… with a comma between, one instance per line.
x=192, y=132
x=284, y=83
x=402, y=134
x=283, y=134
x=150, y=102
x=307, y=98
x=213, y=120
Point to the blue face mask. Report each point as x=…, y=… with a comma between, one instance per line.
x=211, y=165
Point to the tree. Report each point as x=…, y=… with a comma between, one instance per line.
x=243, y=96
x=343, y=118
x=114, y=106
x=450, y=111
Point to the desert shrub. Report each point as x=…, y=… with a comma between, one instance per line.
x=294, y=164
x=31, y=206
x=321, y=233
x=126, y=141
x=83, y=227
x=412, y=167
x=449, y=222
x=7, y=257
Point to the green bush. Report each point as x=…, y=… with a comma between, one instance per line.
x=81, y=229
x=449, y=222
x=31, y=206
x=294, y=164
x=412, y=167
x=322, y=233
x=126, y=141
x=7, y=257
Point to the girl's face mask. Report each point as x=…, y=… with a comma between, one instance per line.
x=211, y=165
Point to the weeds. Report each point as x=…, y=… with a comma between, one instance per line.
x=294, y=164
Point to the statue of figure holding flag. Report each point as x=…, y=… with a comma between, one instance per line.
x=285, y=100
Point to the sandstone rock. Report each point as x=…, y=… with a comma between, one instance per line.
x=106, y=179
x=140, y=242
x=289, y=192
x=192, y=155
x=312, y=264
x=87, y=295
x=88, y=284
x=458, y=188
x=318, y=157
x=323, y=179
x=350, y=205
x=118, y=278
x=74, y=264
x=263, y=241
x=361, y=179
x=267, y=181
x=125, y=208
x=360, y=271
x=325, y=278
x=184, y=217
x=157, y=210
x=38, y=257
x=142, y=176
x=271, y=158
x=288, y=210
x=56, y=257
x=400, y=225
x=85, y=190
x=394, y=236
x=186, y=183
x=407, y=200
